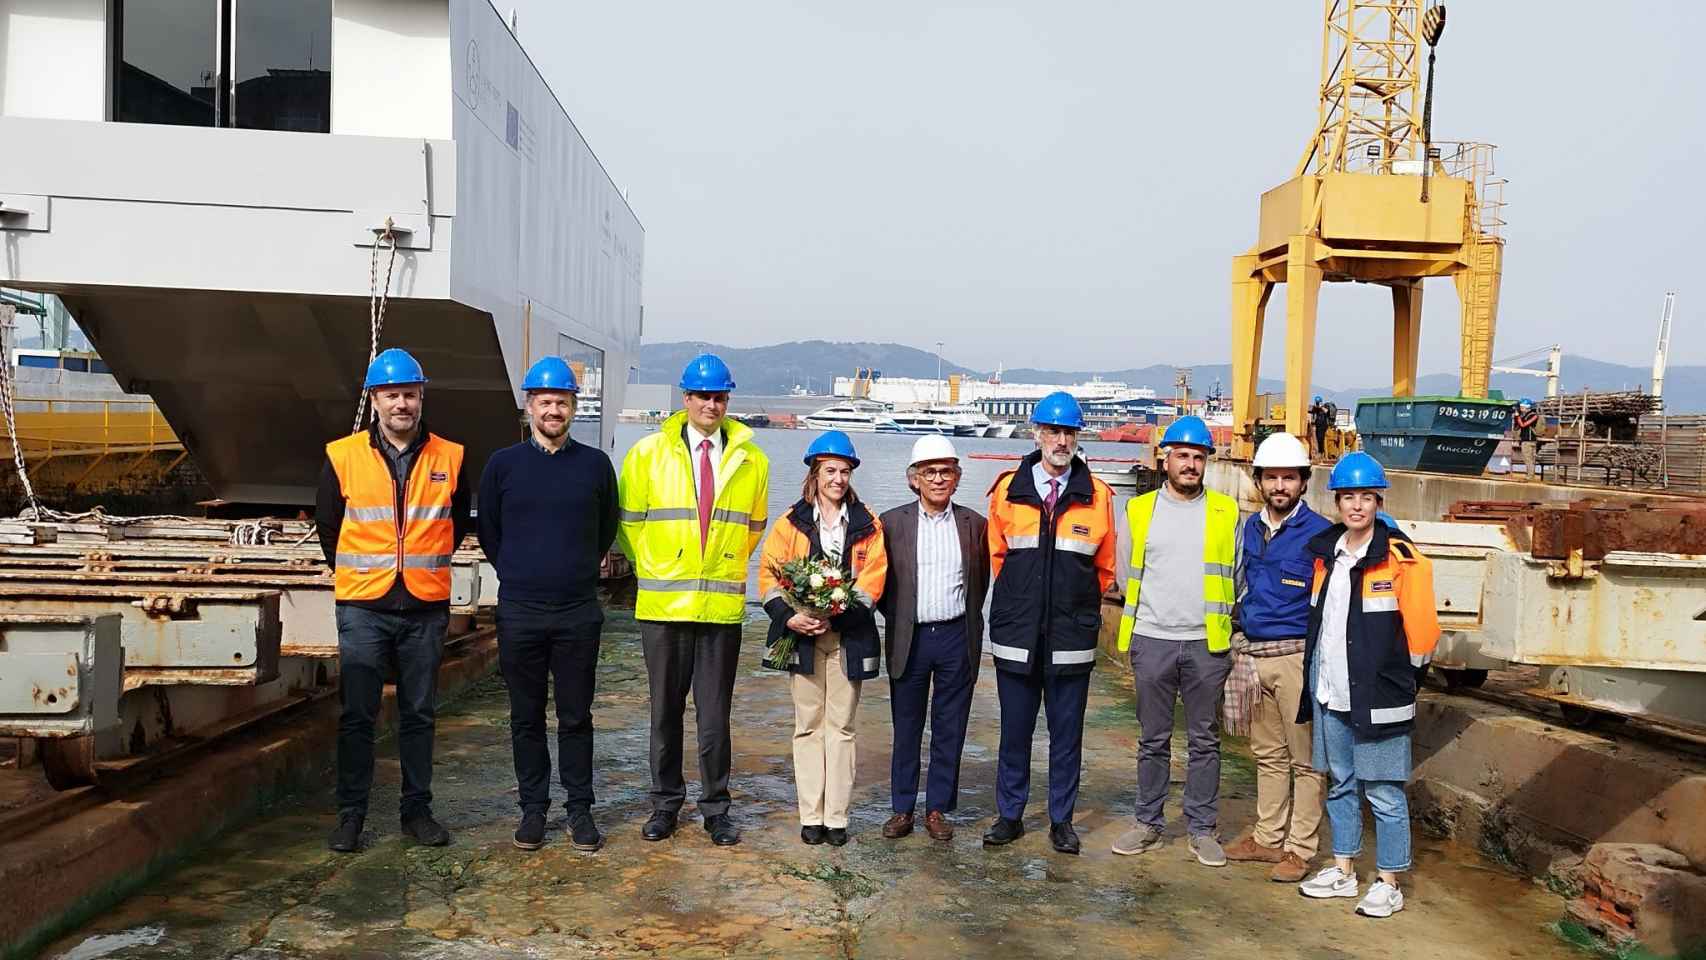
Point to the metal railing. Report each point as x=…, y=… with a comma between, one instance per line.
x=57, y=427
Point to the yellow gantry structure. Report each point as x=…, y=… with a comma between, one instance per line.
x=1354, y=210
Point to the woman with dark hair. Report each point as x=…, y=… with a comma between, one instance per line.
x=832, y=656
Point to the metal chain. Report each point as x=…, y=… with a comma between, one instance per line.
x=377, y=297
x=6, y=325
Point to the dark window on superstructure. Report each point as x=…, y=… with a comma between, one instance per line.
x=257, y=64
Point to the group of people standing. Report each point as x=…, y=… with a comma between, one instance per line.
x=1311, y=634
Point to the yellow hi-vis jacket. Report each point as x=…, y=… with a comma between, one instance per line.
x=374, y=544
x=681, y=579
x=1219, y=555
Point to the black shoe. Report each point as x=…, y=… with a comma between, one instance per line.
x=837, y=836
x=660, y=826
x=813, y=835
x=583, y=833
x=1064, y=838
x=346, y=836
x=722, y=830
x=426, y=831
x=1004, y=831
x=531, y=834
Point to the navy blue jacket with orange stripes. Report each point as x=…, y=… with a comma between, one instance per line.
x=1391, y=628
x=1046, y=603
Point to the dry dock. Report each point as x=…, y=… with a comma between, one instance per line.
x=268, y=888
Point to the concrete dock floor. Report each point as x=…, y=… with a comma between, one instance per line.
x=271, y=890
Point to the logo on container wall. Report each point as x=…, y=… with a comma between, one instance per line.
x=481, y=91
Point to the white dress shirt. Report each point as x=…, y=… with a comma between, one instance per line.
x=833, y=536
x=694, y=438
x=941, y=577
x=1333, y=673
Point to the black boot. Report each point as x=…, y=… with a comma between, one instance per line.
x=346, y=836
x=1003, y=832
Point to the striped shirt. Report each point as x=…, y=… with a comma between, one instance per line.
x=941, y=577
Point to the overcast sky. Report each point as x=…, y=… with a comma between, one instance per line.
x=1063, y=184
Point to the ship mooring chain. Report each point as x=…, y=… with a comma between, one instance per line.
x=377, y=297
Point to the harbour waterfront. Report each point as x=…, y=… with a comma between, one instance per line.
x=271, y=890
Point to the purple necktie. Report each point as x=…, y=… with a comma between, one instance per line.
x=1053, y=495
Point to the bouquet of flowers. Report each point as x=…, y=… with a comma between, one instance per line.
x=814, y=587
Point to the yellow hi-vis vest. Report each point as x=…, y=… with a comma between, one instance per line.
x=681, y=579
x=1219, y=554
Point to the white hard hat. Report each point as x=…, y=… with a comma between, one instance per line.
x=932, y=447
x=1281, y=450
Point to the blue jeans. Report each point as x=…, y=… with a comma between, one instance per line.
x=371, y=645
x=1344, y=798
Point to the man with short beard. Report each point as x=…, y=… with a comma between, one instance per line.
x=1051, y=557
x=548, y=514
x=1177, y=624
x=392, y=506
x=1265, y=691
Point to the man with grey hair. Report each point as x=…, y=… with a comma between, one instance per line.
x=932, y=607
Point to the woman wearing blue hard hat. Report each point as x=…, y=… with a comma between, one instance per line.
x=834, y=655
x=1372, y=625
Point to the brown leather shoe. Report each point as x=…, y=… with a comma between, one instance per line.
x=937, y=826
x=1246, y=848
x=1290, y=869
x=898, y=826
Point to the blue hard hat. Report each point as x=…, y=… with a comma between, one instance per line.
x=1317, y=398
x=550, y=373
x=1357, y=471
x=1188, y=432
x=393, y=367
x=832, y=443
x=1526, y=401
x=707, y=373
x=1058, y=409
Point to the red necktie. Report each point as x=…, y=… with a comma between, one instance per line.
x=1053, y=496
x=707, y=491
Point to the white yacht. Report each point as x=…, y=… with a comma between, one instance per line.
x=853, y=416
x=967, y=420
x=923, y=421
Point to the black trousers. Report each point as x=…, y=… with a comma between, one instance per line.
x=556, y=642
x=701, y=658
x=372, y=644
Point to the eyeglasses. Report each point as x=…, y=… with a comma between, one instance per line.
x=939, y=473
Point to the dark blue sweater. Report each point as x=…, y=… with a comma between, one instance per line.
x=546, y=521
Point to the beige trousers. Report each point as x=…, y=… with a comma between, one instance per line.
x=1289, y=790
x=824, y=705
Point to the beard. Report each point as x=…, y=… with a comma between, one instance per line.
x=551, y=428
x=1058, y=458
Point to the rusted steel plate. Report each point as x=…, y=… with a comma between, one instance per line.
x=38, y=683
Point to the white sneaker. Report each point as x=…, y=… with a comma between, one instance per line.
x=1383, y=900
x=1331, y=882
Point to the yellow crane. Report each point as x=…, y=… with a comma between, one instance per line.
x=1372, y=200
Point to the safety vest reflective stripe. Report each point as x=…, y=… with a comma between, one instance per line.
x=1075, y=656
x=1084, y=547
x=1004, y=652
x=370, y=514
x=1022, y=541
x=1220, y=540
x=707, y=586
x=368, y=561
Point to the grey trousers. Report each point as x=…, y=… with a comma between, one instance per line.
x=701, y=658
x=1164, y=671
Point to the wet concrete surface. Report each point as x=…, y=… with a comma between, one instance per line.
x=271, y=890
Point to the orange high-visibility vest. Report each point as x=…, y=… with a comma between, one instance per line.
x=372, y=546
